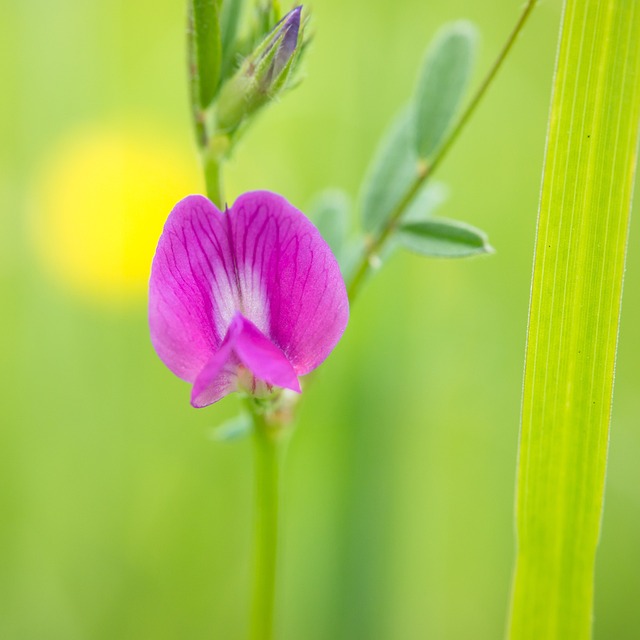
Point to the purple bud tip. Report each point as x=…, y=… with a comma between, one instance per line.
x=290, y=27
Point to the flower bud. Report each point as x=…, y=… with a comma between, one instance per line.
x=262, y=75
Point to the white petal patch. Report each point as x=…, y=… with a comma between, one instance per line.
x=243, y=292
x=254, y=297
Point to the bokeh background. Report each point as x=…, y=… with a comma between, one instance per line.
x=120, y=517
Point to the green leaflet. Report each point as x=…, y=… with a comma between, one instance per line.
x=442, y=85
x=574, y=316
x=207, y=44
x=330, y=213
x=233, y=429
x=392, y=172
x=420, y=127
x=428, y=200
x=441, y=238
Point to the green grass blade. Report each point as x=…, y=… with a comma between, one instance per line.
x=574, y=316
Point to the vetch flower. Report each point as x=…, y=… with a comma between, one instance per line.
x=264, y=73
x=248, y=299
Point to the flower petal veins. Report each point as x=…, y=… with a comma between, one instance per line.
x=255, y=287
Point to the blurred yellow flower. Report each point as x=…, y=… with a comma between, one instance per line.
x=100, y=202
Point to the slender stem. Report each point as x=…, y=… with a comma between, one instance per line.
x=267, y=447
x=212, y=148
x=212, y=166
x=198, y=116
x=426, y=170
x=378, y=242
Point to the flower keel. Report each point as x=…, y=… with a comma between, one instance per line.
x=244, y=346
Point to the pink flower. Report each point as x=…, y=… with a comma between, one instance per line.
x=247, y=299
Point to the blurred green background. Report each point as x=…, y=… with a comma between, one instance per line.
x=120, y=517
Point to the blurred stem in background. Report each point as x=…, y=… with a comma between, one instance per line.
x=427, y=166
x=269, y=452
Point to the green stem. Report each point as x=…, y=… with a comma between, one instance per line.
x=212, y=166
x=268, y=453
x=197, y=115
x=426, y=170
x=212, y=158
x=212, y=148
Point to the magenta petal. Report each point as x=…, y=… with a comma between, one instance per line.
x=281, y=257
x=192, y=293
x=264, y=359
